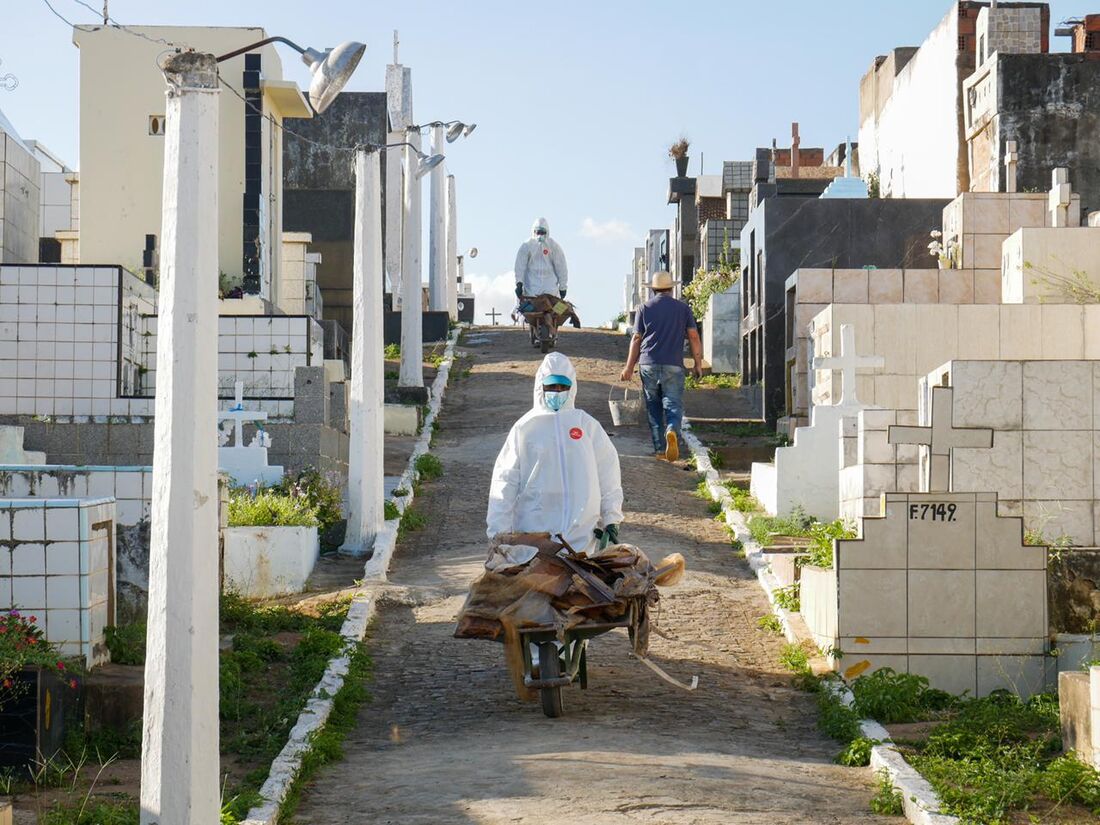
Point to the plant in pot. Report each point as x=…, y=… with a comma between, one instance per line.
x=679, y=153
x=33, y=687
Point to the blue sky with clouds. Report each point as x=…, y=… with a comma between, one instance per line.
x=576, y=102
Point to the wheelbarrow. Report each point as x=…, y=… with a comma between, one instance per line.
x=559, y=667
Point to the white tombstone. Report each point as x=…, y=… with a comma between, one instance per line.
x=1060, y=198
x=11, y=448
x=1012, y=158
x=411, y=376
x=807, y=474
x=245, y=463
x=180, y=763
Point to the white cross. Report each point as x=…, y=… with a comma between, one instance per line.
x=1012, y=157
x=1060, y=197
x=238, y=415
x=939, y=439
x=848, y=363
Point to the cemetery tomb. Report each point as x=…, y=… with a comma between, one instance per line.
x=246, y=463
x=57, y=564
x=805, y=474
x=939, y=584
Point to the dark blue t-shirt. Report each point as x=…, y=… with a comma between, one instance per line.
x=663, y=322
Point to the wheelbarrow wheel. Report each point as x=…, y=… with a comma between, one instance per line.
x=550, y=668
x=546, y=337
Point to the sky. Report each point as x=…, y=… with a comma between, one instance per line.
x=576, y=102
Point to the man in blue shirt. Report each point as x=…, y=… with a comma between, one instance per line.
x=660, y=326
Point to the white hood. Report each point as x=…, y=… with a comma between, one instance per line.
x=555, y=364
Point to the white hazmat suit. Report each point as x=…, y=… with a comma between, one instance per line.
x=557, y=472
x=540, y=263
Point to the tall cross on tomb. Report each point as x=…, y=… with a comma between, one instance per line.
x=494, y=315
x=849, y=364
x=1060, y=197
x=940, y=438
x=794, y=150
x=1012, y=157
x=239, y=415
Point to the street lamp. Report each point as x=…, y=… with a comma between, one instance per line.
x=425, y=162
x=331, y=69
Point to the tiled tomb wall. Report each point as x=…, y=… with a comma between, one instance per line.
x=56, y=559
x=315, y=434
x=81, y=341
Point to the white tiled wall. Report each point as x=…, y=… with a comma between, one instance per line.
x=56, y=565
x=130, y=487
x=67, y=349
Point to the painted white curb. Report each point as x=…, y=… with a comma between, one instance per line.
x=922, y=805
x=285, y=767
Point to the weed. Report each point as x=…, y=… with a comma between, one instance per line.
x=795, y=659
x=887, y=800
x=743, y=500
x=716, y=460
x=836, y=719
x=822, y=535
x=89, y=812
x=765, y=528
x=788, y=597
x=392, y=352
x=770, y=623
x=714, y=508
x=126, y=643
x=391, y=375
x=857, y=753
x=323, y=493
x=400, y=492
x=411, y=521
x=725, y=381
x=390, y=511
x=889, y=696
x=268, y=508
x=428, y=467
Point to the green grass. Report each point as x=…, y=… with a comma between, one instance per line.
x=822, y=535
x=770, y=623
x=725, y=381
x=764, y=528
x=392, y=352
x=270, y=509
x=91, y=812
x=428, y=467
x=411, y=520
x=743, y=500
x=327, y=744
x=789, y=597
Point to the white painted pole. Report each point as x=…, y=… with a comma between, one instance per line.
x=437, y=229
x=452, y=249
x=395, y=213
x=365, y=480
x=412, y=321
x=180, y=762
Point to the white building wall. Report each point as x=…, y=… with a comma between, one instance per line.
x=19, y=199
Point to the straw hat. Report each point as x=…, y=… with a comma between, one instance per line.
x=661, y=280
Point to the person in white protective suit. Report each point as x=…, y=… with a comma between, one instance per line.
x=558, y=471
x=540, y=264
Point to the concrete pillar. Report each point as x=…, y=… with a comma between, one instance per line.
x=365, y=480
x=180, y=762
x=437, y=229
x=412, y=323
x=1094, y=713
x=452, y=249
x=395, y=224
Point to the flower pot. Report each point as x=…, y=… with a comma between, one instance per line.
x=681, y=166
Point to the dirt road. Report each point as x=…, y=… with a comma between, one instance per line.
x=444, y=739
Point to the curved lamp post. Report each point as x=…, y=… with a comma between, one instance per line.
x=331, y=69
x=440, y=272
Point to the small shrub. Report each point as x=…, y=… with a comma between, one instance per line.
x=821, y=546
x=788, y=597
x=771, y=624
x=428, y=467
x=889, y=696
x=836, y=719
x=411, y=520
x=887, y=800
x=23, y=645
x=126, y=643
x=857, y=753
x=743, y=500
x=270, y=509
x=763, y=528
x=392, y=352
x=323, y=493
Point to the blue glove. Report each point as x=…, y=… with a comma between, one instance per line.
x=561, y=292
x=519, y=290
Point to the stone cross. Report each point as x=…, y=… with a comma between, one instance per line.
x=494, y=315
x=1012, y=157
x=848, y=363
x=1060, y=197
x=794, y=150
x=940, y=438
x=239, y=415
x=396, y=43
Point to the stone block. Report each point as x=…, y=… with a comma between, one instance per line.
x=1021, y=675
x=885, y=286
x=955, y=674
x=850, y=286
x=311, y=397
x=944, y=545
x=815, y=286
x=1058, y=464
x=956, y=286
x=1011, y=603
x=1075, y=710
x=872, y=603
x=987, y=286
x=941, y=603
x=1058, y=396
x=921, y=286
x=988, y=394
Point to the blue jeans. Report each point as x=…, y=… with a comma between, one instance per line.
x=663, y=388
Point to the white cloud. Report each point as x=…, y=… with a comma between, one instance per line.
x=491, y=292
x=612, y=230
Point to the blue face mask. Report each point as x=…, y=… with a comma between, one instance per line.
x=555, y=400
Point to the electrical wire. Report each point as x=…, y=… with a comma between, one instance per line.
x=115, y=24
